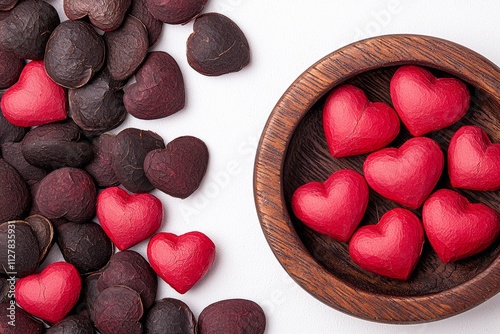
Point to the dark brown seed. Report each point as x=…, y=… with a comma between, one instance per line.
x=130, y=269
x=10, y=68
x=24, y=260
x=130, y=149
x=12, y=153
x=85, y=246
x=100, y=167
x=3, y=15
x=7, y=4
x=33, y=189
x=56, y=222
x=126, y=48
x=44, y=233
x=81, y=310
x=15, y=197
x=24, y=323
x=98, y=106
x=154, y=26
x=106, y=15
x=76, y=324
x=8, y=131
x=68, y=193
x=232, y=316
x=118, y=309
x=26, y=30
x=75, y=52
x=171, y=316
x=159, y=88
x=175, y=11
x=217, y=46
x=90, y=290
x=178, y=169
x=56, y=145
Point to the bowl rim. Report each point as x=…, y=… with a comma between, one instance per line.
x=297, y=100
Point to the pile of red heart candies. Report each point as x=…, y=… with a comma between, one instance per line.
x=408, y=175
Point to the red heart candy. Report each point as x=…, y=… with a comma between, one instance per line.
x=333, y=208
x=183, y=260
x=127, y=218
x=406, y=175
x=51, y=294
x=426, y=103
x=390, y=248
x=473, y=161
x=354, y=125
x=35, y=99
x=457, y=228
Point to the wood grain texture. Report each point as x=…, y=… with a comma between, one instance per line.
x=293, y=151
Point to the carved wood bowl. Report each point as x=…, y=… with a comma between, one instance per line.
x=293, y=151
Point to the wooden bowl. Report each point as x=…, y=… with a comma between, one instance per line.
x=292, y=151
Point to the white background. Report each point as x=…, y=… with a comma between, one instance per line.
x=229, y=113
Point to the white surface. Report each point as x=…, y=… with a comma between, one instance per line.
x=229, y=113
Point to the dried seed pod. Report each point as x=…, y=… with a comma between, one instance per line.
x=217, y=46
x=11, y=67
x=75, y=52
x=69, y=193
x=98, y=106
x=27, y=254
x=90, y=290
x=24, y=322
x=171, y=316
x=72, y=324
x=7, y=4
x=118, y=309
x=56, y=145
x=126, y=48
x=129, y=268
x=178, y=169
x=100, y=167
x=106, y=15
x=139, y=9
x=34, y=208
x=44, y=233
x=20, y=35
x=85, y=246
x=175, y=11
x=12, y=154
x=232, y=316
x=15, y=198
x=159, y=88
x=56, y=222
x=130, y=149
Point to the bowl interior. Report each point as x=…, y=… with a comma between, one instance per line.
x=308, y=159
